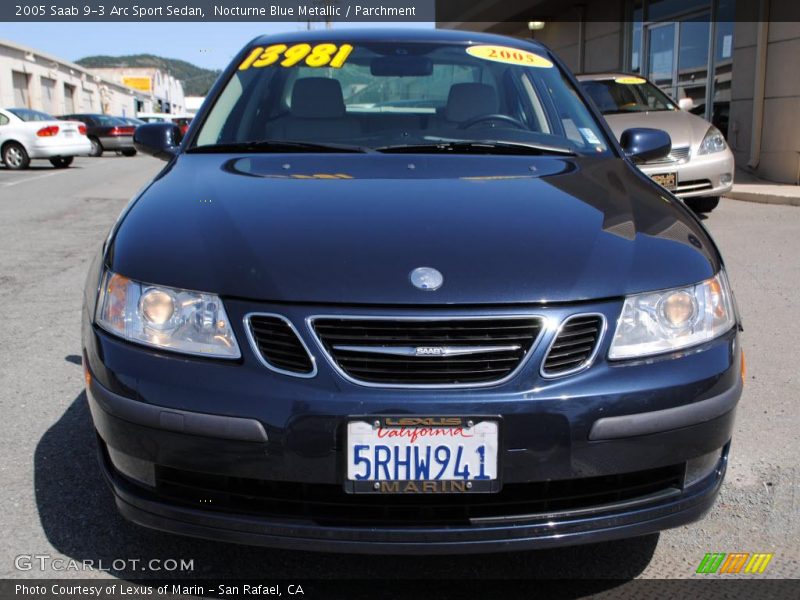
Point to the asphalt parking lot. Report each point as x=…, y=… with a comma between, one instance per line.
x=55, y=502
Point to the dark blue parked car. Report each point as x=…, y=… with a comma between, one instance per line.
x=403, y=292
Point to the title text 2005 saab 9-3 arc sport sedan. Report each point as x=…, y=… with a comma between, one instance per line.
x=403, y=292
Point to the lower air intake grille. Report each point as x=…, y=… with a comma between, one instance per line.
x=447, y=351
x=276, y=341
x=695, y=185
x=574, y=346
x=329, y=504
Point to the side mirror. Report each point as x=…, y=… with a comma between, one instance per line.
x=642, y=144
x=686, y=104
x=157, y=139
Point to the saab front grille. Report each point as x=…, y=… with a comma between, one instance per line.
x=574, y=346
x=278, y=345
x=439, y=352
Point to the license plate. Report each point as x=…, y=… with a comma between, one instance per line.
x=69, y=132
x=666, y=180
x=419, y=455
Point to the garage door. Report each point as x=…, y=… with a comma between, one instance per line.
x=69, y=98
x=49, y=95
x=21, y=92
x=88, y=100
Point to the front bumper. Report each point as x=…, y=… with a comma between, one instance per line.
x=236, y=421
x=702, y=175
x=122, y=142
x=543, y=530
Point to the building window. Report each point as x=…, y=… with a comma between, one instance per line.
x=669, y=43
x=723, y=65
x=636, y=39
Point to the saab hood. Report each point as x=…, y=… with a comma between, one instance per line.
x=333, y=228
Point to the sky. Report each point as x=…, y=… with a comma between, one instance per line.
x=209, y=45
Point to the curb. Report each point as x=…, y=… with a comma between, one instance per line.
x=763, y=198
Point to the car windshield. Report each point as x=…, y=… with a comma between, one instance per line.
x=27, y=114
x=626, y=94
x=386, y=95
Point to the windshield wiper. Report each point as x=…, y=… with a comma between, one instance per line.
x=275, y=146
x=637, y=110
x=476, y=147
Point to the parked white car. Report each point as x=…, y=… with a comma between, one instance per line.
x=149, y=117
x=26, y=134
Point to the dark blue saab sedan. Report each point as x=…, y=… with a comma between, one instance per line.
x=404, y=292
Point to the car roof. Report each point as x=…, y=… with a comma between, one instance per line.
x=391, y=34
x=26, y=109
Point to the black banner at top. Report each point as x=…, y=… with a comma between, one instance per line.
x=217, y=10
x=445, y=12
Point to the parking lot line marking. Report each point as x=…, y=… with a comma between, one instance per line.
x=32, y=178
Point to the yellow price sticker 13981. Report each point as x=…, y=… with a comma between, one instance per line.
x=321, y=55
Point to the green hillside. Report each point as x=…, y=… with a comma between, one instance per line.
x=196, y=81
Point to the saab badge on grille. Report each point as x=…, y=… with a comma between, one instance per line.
x=430, y=351
x=426, y=278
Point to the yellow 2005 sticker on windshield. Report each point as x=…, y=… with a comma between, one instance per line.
x=320, y=55
x=511, y=56
x=630, y=80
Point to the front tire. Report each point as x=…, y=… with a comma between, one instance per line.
x=703, y=204
x=97, y=147
x=129, y=152
x=61, y=162
x=15, y=157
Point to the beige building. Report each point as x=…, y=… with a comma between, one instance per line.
x=41, y=81
x=158, y=91
x=736, y=59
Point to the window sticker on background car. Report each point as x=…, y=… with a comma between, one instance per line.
x=629, y=80
x=319, y=55
x=589, y=136
x=511, y=56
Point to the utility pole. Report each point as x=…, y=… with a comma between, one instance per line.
x=327, y=6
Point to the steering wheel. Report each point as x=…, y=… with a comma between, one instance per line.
x=493, y=117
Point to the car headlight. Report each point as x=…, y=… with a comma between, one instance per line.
x=713, y=141
x=658, y=322
x=164, y=317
